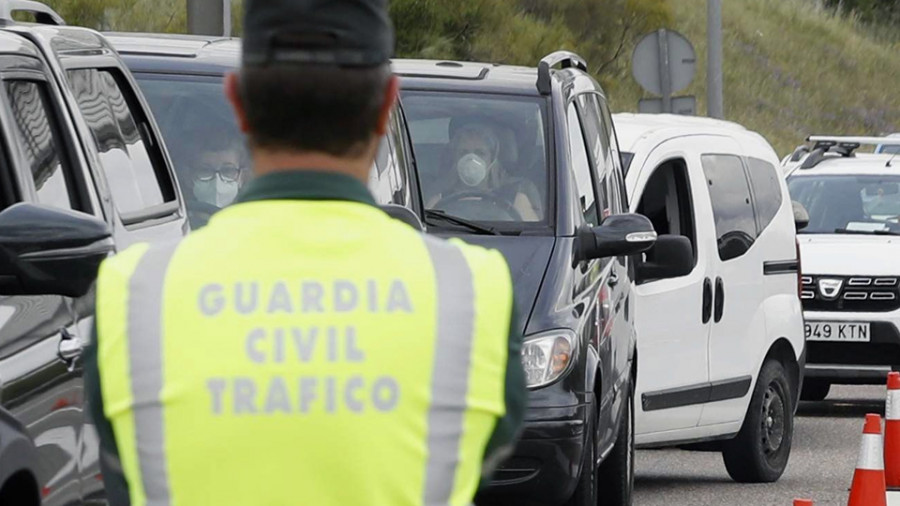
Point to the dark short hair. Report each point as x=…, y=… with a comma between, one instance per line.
x=320, y=108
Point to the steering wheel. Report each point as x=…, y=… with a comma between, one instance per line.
x=491, y=199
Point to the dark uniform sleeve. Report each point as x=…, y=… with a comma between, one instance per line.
x=506, y=432
x=113, y=478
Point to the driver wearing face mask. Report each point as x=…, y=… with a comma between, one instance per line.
x=216, y=177
x=476, y=167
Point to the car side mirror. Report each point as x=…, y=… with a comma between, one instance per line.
x=671, y=257
x=404, y=214
x=801, y=216
x=618, y=235
x=49, y=251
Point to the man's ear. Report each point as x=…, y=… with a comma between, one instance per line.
x=392, y=90
x=233, y=93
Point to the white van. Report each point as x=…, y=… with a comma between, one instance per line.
x=718, y=313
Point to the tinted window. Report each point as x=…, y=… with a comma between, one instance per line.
x=732, y=206
x=581, y=169
x=766, y=190
x=39, y=141
x=482, y=157
x=130, y=166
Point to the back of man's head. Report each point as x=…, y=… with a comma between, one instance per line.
x=316, y=75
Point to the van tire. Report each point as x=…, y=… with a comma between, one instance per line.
x=760, y=452
x=815, y=390
x=616, y=476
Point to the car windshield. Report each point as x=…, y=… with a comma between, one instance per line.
x=482, y=158
x=863, y=204
x=207, y=148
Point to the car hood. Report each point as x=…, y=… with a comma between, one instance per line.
x=527, y=257
x=847, y=255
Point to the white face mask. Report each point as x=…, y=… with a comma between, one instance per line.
x=473, y=169
x=216, y=191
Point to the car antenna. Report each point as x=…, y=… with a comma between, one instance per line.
x=888, y=164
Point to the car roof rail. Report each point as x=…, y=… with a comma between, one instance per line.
x=565, y=59
x=842, y=145
x=798, y=153
x=42, y=13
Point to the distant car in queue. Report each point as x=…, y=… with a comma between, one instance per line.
x=181, y=77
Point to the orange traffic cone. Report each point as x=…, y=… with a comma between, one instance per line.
x=868, y=480
x=803, y=502
x=892, y=431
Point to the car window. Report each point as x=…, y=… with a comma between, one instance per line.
x=40, y=142
x=581, y=169
x=666, y=201
x=860, y=204
x=732, y=205
x=597, y=138
x=133, y=166
x=482, y=157
x=207, y=148
x=764, y=179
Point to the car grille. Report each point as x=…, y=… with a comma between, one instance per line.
x=856, y=293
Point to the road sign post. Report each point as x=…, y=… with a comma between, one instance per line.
x=206, y=17
x=715, y=98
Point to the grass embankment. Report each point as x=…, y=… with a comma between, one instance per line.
x=791, y=70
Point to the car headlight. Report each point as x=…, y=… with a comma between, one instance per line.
x=546, y=357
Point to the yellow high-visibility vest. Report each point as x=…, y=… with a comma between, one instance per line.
x=344, y=360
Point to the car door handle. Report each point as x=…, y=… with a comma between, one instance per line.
x=69, y=348
x=613, y=279
x=720, y=299
x=707, y=300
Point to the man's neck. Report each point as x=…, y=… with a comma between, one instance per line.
x=268, y=162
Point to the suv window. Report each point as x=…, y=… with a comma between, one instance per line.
x=40, y=141
x=598, y=145
x=482, y=157
x=732, y=204
x=766, y=190
x=581, y=169
x=133, y=167
x=848, y=203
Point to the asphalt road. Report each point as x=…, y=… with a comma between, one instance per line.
x=826, y=445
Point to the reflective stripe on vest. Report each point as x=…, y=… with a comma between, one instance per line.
x=450, y=374
x=455, y=333
x=145, y=358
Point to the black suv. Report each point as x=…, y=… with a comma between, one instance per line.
x=83, y=172
x=181, y=76
x=526, y=161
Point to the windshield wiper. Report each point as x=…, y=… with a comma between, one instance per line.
x=431, y=214
x=865, y=232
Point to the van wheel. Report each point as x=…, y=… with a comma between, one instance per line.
x=815, y=390
x=586, y=491
x=759, y=453
x=616, y=476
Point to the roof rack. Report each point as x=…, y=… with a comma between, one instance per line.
x=565, y=59
x=842, y=145
x=43, y=14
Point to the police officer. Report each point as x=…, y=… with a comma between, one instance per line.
x=303, y=348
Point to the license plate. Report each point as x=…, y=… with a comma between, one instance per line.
x=838, y=331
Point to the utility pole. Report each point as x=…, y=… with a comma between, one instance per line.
x=207, y=17
x=715, y=99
